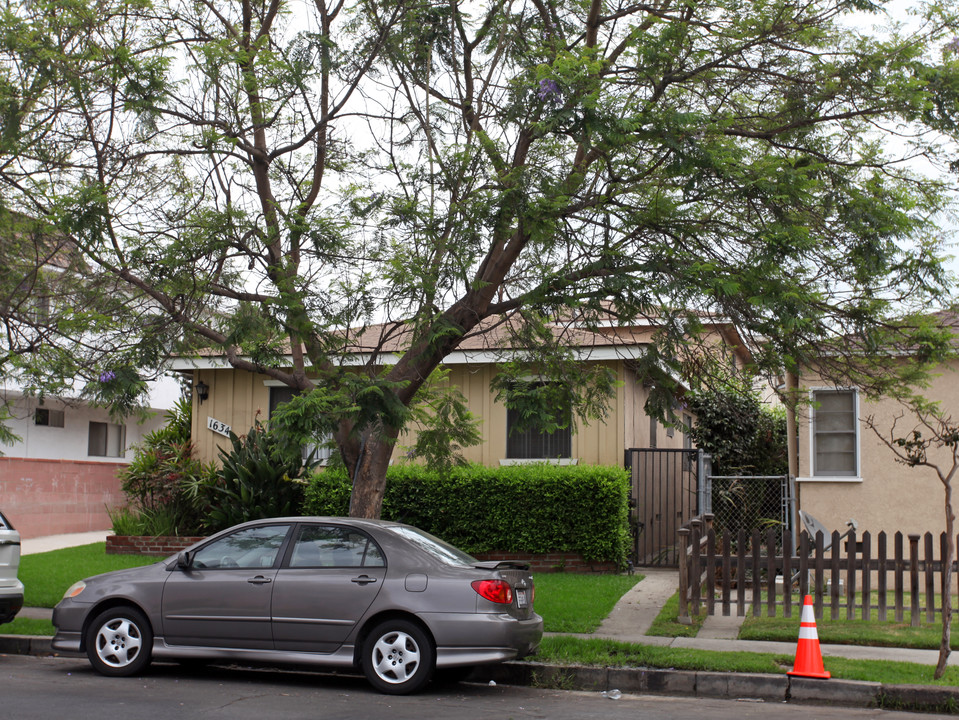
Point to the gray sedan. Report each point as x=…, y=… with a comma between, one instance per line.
x=334, y=592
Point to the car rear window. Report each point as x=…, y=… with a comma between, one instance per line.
x=442, y=551
x=5, y=524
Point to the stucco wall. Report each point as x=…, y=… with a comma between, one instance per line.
x=886, y=495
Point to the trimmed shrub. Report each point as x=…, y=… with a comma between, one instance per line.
x=523, y=508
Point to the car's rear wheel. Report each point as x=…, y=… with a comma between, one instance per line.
x=119, y=642
x=398, y=657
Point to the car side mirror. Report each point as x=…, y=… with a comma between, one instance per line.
x=184, y=560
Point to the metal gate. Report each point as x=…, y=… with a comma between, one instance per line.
x=666, y=492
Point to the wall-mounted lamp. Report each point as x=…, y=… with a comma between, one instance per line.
x=202, y=391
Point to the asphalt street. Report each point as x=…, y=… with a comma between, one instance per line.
x=39, y=688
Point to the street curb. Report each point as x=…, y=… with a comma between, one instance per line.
x=26, y=645
x=725, y=686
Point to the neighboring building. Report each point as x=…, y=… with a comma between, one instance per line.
x=61, y=477
x=235, y=398
x=847, y=472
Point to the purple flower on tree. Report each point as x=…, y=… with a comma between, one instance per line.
x=549, y=91
x=107, y=376
x=953, y=46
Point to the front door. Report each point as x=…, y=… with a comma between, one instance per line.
x=223, y=599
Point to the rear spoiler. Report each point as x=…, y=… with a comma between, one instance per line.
x=501, y=565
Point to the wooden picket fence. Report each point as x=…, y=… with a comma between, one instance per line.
x=842, y=573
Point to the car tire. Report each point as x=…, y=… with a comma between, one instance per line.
x=398, y=657
x=119, y=642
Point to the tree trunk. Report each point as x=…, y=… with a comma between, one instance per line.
x=944, y=645
x=367, y=458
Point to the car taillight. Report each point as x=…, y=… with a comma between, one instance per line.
x=497, y=591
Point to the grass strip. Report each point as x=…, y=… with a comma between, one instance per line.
x=560, y=650
x=667, y=622
x=28, y=626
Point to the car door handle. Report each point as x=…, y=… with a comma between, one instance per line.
x=363, y=580
x=260, y=580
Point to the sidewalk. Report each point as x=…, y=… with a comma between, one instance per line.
x=32, y=546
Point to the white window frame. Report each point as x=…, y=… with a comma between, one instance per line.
x=813, y=477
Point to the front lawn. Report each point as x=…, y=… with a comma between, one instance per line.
x=46, y=576
x=841, y=631
x=574, y=603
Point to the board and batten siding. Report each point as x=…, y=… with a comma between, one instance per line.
x=237, y=397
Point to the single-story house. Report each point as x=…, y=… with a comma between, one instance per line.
x=846, y=472
x=234, y=399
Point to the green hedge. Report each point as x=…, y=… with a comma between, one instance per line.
x=524, y=508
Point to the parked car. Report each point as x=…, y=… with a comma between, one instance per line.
x=335, y=592
x=11, y=589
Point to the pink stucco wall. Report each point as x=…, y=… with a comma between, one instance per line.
x=50, y=497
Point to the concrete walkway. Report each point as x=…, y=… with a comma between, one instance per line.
x=32, y=546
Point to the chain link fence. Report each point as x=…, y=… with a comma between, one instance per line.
x=742, y=502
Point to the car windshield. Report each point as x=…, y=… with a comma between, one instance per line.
x=440, y=550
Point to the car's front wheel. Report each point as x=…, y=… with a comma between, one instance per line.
x=398, y=657
x=119, y=642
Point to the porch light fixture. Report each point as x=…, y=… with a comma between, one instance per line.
x=202, y=391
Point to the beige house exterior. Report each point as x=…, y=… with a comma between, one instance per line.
x=847, y=472
x=236, y=398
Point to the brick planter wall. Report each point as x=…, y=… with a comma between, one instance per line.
x=550, y=562
x=145, y=545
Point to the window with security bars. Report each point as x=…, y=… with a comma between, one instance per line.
x=534, y=443
x=835, y=433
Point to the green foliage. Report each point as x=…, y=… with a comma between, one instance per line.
x=536, y=162
x=159, y=479
x=565, y=389
x=444, y=425
x=744, y=435
x=524, y=508
x=260, y=477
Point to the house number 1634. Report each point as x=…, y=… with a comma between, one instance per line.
x=217, y=426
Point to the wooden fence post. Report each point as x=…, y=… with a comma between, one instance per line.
x=930, y=580
x=684, y=577
x=881, y=584
x=914, y=579
x=695, y=566
x=866, y=612
x=900, y=569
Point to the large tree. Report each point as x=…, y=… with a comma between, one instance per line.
x=266, y=177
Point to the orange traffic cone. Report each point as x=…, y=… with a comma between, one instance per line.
x=808, y=655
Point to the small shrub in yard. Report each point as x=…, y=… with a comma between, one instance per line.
x=157, y=482
x=262, y=476
x=527, y=508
